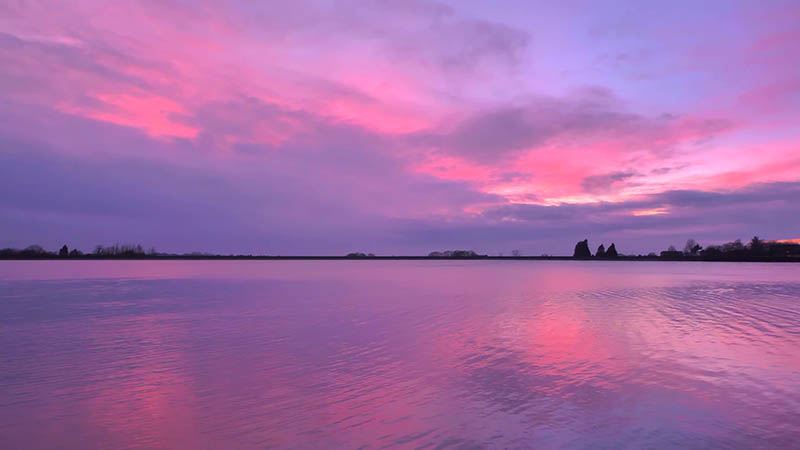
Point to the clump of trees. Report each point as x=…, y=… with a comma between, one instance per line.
x=582, y=250
x=119, y=250
x=755, y=250
x=455, y=254
x=31, y=251
x=360, y=255
x=671, y=253
x=65, y=252
x=692, y=247
x=116, y=251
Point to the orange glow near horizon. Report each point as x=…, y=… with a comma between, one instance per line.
x=651, y=212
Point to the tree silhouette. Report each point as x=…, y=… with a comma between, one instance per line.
x=582, y=249
x=601, y=251
x=64, y=251
x=35, y=249
x=612, y=251
x=690, y=244
x=756, y=246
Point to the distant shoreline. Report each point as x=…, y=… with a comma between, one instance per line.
x=756, y=250
x=379, y=258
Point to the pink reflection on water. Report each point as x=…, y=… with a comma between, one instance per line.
x=310, y=354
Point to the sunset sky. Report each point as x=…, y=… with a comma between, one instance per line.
x=398, y=127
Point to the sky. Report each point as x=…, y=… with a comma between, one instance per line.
x=398, y=127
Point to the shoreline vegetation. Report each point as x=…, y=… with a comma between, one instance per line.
x=756, y=250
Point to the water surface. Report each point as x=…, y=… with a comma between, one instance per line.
x=405, y=354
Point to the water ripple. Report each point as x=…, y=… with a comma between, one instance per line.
x=403, y=355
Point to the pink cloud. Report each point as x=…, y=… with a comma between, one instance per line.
x=150, y=114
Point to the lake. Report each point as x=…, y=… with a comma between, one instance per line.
x=402, y=354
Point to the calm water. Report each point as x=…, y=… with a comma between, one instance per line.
x=349, y=354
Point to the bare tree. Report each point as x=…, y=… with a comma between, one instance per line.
x=515, y=253
x=36, y=249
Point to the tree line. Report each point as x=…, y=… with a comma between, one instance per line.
x=754, y=250
x=100, y=251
